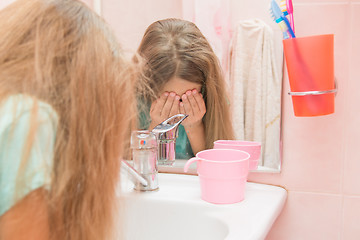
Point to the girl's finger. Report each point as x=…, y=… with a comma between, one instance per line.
x=187, y=105
x=200, y=101
x=165, y=112
x=160, y=102
x=192, y=100
x=181, y=108
x=175, y=107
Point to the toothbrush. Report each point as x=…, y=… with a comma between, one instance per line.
x=279, y=17
x=287, y=9
x=283, y=28
x=281, y=24
x=290, y=11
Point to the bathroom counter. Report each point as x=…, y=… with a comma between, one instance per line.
x=176, y=211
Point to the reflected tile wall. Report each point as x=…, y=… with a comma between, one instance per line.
x=129, y=19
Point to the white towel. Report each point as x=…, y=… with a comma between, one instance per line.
x=256, y=88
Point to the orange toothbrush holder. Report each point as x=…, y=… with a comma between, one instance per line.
x=310, y=65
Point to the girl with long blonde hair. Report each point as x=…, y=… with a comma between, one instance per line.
x=64, y=88
x=185, y=76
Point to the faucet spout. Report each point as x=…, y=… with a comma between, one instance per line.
x=168, y=129
x=166, y=134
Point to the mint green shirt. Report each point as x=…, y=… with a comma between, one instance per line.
x=183, y=148
x=15, y=115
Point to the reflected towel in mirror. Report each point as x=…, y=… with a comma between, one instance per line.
x=255, y=83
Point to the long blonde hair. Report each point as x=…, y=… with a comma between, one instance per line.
x=177, y=48
x=60, y=52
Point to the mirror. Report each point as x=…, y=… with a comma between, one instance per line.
x=129, y=19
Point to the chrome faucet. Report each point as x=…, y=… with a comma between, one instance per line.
x=166, y=134
x=150, y=148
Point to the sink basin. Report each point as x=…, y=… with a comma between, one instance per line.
x=177, y=212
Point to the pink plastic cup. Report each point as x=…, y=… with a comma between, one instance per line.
x=253, y=148
x=222, y=173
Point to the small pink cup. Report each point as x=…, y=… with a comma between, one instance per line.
x=253, y=148
x=223, y=174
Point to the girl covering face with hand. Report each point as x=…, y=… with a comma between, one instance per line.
x=184, y=76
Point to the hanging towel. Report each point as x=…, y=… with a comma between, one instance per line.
x=256, y=88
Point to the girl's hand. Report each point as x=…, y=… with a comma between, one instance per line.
x=193, y=105
x=163, y=108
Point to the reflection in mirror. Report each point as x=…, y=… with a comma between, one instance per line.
x=255, y=106
x=256, y=89
x=185, y=77
x=255, y=79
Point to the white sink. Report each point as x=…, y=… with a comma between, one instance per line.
x=176, y=212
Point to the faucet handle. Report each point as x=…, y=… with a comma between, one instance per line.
x=180, y=115
x=168, y=125
x=144, y=155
